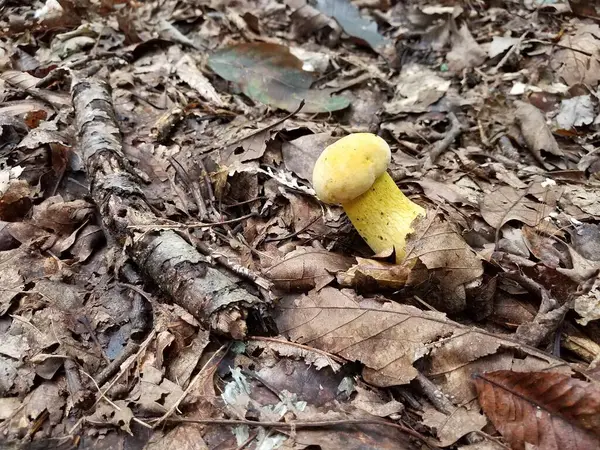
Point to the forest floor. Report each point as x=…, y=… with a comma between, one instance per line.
x=169, y=279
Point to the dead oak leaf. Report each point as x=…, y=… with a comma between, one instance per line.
x=507, y=203
x=546, y=411
x=389, y=338
x=536, y=132
x=306, y=268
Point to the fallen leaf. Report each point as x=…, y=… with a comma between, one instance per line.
x=306, y=19
x=466, y=52
x=449, y=428
x=188, y=72
x=372, y=275
x=507, y=203
x=271, y=74
x=575, y=112
x=585, y=198
x=307, y=268
x=351, y=21
x=588, y=305
x=448, y=258
x=389, y=338
x=578, y=61
x=371, y=401
x=535, y=131
x=547, y=411
x=11, y=279
x=300, y=155
x=417, y=88
x=182, y=437
x=500, y=44
x=61, y=217
x=107, y=414
x=585, y=238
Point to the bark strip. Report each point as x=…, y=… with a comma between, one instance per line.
x=176, y=267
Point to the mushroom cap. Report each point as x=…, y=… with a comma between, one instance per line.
x=349, y=167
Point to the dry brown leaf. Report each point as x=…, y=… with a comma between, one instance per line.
x=300, y=155
x=61, y=217
x=388, y=338
x=370, y=274
x=536, y=132
x=546, y=411
x=506, y=203
x=448, y=258
x=581, y=66
x=183, y=437
x=307, y=268
x=450, y=428
x=466, y=52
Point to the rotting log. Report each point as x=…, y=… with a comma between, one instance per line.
x=174, y=265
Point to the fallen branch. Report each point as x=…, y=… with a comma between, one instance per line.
x=175, y=266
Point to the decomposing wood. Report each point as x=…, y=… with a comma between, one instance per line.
x=176, y=267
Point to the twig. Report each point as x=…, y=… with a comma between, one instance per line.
x=442, y=145
x=509, y=53
x=190, y=225
x=315, y=424
x=268, y=127
x=110, y=402
x=238, y=269
x=113, y=367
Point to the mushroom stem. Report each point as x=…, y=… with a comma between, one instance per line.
x=383, y=216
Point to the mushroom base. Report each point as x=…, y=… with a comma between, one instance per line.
x=383, y=216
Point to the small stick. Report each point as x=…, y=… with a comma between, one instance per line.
x=191, y=225
x=442, y=145
x=298, y=424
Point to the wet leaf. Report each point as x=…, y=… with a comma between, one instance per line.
x=271, y=74
x=542, y=410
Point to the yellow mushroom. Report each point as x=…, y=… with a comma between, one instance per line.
x=352, y=172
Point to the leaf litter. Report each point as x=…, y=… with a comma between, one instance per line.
x=171, y=280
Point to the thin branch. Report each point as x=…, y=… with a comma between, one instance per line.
x=316, y=424
x=190, y=225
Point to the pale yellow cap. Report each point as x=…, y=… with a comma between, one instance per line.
x=349, y=167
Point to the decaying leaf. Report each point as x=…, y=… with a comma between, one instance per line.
x=536, y=132
x=188, y=72
x=507, y=203
x=579, y=61
x=542, y=410
x=370, y=274
x=300, y=155
x=271, y=74
x=389, y=338
x=575, y=112
x=466, y=52
x=449, y=428
x=417, y=88
x=307, y=268
x=588, y=304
